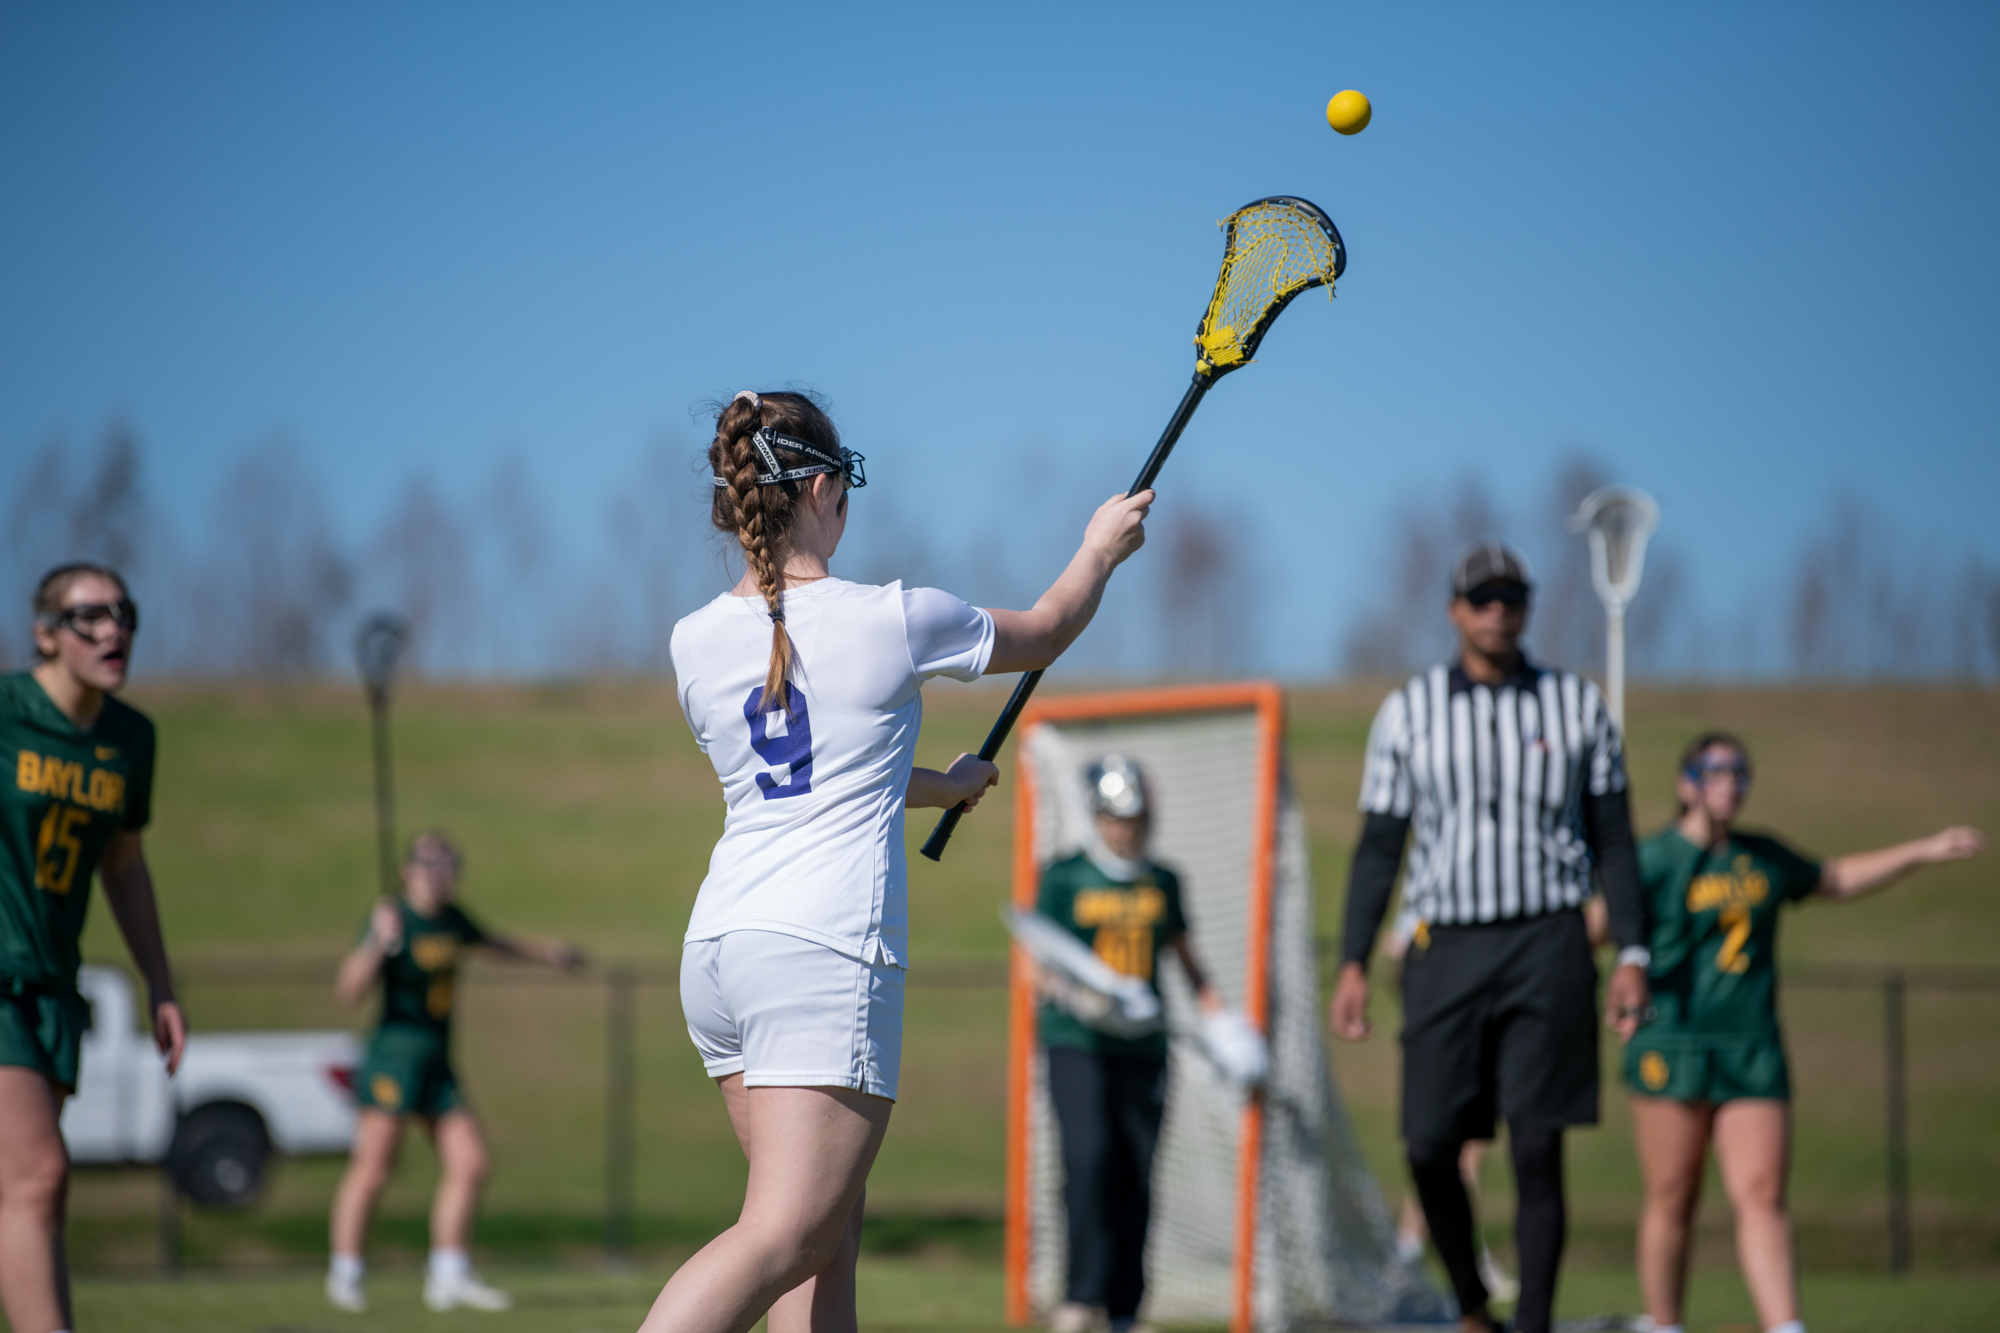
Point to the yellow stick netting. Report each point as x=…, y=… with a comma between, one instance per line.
x=1275, y=251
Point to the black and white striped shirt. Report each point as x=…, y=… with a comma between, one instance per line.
x=1496, y=783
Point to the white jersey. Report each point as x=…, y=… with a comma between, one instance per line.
x=813, y=842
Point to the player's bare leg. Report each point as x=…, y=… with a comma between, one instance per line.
x=824, y=1302
x=370, y=1163
x=810, y=1151
x=34, y=1186
x=1672, y=1140
x=1753, y=1147
x=464, y=1164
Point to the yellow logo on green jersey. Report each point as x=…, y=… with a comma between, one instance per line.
x=50, y=775
x=1124, y=919
x=1743, y=886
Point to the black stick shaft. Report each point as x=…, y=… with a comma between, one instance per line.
x=385, y=799
x=934, y=845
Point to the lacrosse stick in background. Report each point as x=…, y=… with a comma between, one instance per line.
x=1274, y=249
x=1618, y=520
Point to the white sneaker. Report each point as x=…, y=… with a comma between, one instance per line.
x=1500, y=1285
x=1075, y=1317
x=468, y=1292
x=345, y=1293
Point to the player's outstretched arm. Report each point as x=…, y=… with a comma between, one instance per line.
x=1859, y=873
x=128, y=891
x=1032, y=639
x=532, y=949
x=966, y=780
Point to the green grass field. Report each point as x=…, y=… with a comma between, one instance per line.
x=588, y=813
x=909, y=1294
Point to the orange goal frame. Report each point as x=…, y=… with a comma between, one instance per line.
x=1267, y=700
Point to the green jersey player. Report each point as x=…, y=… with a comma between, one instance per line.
x=413, y=945
x=76, y=779
x=1710, y=1063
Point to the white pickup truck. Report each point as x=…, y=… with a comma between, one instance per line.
x=239, y=1096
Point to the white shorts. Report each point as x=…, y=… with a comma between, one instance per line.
x=787, y=1013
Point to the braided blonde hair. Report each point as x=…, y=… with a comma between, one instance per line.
x=761, y=517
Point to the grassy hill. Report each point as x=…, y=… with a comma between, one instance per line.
x=587, y=813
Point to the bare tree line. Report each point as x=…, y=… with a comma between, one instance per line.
x=1858, y=601
x=272, y=589
x=265, y=584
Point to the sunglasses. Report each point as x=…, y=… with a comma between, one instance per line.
x=1507, y=594
x=88, y=620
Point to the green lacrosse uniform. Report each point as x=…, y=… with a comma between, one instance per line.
x=67, y=793
x=1715, y=1034
x=1126, y=923
x=407, y=1070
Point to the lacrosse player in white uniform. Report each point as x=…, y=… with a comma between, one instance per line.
x=804, y=691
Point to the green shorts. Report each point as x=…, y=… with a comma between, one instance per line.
x=1690, y=1068
x=43, y=1030
x=407, y=1071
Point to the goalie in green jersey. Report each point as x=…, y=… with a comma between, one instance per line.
x=1709, y=1065
x=413, y=945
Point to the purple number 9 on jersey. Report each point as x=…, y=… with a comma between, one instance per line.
x=794, y=749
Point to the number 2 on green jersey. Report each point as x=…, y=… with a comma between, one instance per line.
x=1732, y=956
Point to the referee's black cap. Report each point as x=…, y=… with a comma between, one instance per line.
x=1489, y=562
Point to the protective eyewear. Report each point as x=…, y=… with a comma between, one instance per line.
x=88, y=620
x=1738, y=772
x=1507, y=594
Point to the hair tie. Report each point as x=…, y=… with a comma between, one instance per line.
x=756, y=403
x=778, y=616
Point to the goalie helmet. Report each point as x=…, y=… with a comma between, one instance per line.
x=1117, y=787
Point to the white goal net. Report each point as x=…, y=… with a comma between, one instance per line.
x=1314, y=1246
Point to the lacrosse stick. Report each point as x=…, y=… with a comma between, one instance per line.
x=1273, y=249
x=1618, y=520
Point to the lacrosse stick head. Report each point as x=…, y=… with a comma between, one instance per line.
x=1617, y=520
x=1274, y=249
x=377, y=644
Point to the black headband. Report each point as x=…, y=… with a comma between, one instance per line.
x=769, y=473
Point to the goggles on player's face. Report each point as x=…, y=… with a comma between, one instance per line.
x=91, y=620
x=1715, y=770
x=770, y=472
x=1511, y=595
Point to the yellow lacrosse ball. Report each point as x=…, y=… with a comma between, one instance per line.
x=1348, y=112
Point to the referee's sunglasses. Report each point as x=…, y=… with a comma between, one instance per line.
x=1507, y=594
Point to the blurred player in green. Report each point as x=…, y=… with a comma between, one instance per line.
x=1110, y=1092
x=1710, y=1064
x=412, y=944
x=78, y=791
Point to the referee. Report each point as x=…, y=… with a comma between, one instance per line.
x=1512, y=777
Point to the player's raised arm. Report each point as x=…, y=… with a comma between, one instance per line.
x=363, y=962
x=1032, y=639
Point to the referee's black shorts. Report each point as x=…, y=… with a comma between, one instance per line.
x=1499, y=1019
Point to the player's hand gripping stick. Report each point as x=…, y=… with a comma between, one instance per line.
x=1274, y=249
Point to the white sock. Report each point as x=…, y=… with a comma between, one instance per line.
x=450, y=1265
x=1789, y=1326
x=346, y=1267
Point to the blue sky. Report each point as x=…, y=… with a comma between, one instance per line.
x=1743, y=253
